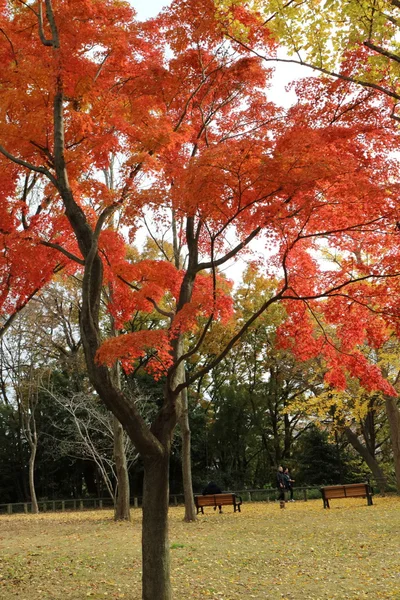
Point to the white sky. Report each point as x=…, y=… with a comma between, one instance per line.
x=148, y=8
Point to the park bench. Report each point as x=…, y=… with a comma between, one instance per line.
x=217, y=500
x=349, y=490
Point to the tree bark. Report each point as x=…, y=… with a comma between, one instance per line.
x=190, y=510
x=122, y=506
x=31, y=436
x=393, y=416
x=35, y=507
x=371, y=461
x=155, y=540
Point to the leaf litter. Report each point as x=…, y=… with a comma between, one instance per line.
x=303, y=552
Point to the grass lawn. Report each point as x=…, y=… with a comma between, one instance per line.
x=303, y=552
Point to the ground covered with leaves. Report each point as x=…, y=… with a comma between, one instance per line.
x=303, y=552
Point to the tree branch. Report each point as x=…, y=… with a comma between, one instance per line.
x=165, y=313
x=382, y=51
x=64, y=251
x=27, y=165
x=231, y=254
x=302, y=63
x=191, y=379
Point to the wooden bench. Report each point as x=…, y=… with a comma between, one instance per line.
x=349, y=490
x=217, y=500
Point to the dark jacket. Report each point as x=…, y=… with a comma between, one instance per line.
x=211, y=488
x=280, y=480
x=287, y=481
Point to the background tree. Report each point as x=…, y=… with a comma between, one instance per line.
x=23, y=369
x=321, y=461
x=250, y=392
x=89, y=432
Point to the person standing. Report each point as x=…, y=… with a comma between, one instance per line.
x=280, y=484
x=288, y=482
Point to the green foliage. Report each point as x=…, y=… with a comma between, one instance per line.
x=321, y=462
x=356, y=38
x=13, y=456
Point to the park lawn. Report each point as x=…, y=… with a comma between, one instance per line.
x=303, y=552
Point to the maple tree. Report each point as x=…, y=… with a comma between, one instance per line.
x=200, y=146
x=352, y=41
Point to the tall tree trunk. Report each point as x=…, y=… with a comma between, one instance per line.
x=32, y=437
x=393, y=416
x=122, y=506
x=287, y=438
x=22, y=460
x=371, y=461
x=35, y=507
x=190, y=510
x=155, y=539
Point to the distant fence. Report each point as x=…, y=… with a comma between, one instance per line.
x=265, y=495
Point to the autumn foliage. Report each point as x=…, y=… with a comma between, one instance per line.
x=107, y=124
x=317, y=184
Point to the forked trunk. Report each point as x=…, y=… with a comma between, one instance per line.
x=393, y=415
x=190, y=510
x=155, y=540
x=122, y=506
x=371, y=461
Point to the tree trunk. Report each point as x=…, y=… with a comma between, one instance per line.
x=371, y=461
x=122, y=507
x=190, y=510
x=287, y=438
x=35, y=507
x=155, y=540
x=393, y=415
x=22, y=460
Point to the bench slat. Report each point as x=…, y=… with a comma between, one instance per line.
x=350, y=490
x=218, y=500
